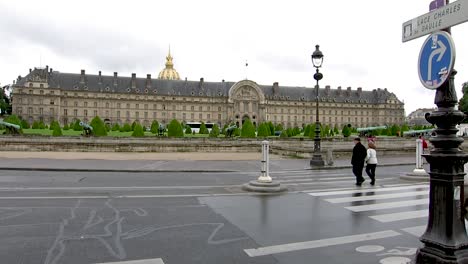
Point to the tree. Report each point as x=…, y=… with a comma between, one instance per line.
x=154, y=127
x=188, y=130
x=174, y=129
x=5, y=102
x=271, y=127
x=248, y=130
x=42, y=125
x=76, y=125
x=66, y=127
x=284, y=134
x=335, y=130
x=35, y=125
x=99, y=128
x=126, y=128
x=13, y=119
x=214, y=131
x=463, y=103
x=203, y=129
x=57, y=131
x=134, y=124
x=54, y=124
x=138, y=131
x=116, y=127
x=263, y=130
x=24, y=124
x=279, y=127
x=307, y=131
x=346, y=131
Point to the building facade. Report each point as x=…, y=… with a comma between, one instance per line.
x=45, y=94
x=417, y=117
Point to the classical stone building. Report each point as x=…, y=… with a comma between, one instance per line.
x=45, y=94
x=417, y=117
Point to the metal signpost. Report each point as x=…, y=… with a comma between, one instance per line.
x=445, y=239
x=436, y=60
x=438, y=19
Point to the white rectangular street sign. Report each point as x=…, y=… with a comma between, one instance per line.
x=450, y=15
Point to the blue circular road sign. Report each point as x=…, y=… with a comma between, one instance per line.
x=436, y=59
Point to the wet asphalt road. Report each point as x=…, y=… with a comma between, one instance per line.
x=99, y=217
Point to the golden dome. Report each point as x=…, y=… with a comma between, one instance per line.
x=169, y=73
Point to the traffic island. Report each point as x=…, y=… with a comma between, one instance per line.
x=264, y=183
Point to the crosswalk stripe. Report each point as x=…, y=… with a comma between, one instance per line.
x=387, y=218
x=353, y=188
x=376, y=197
x=415, y=230
x=380, y=206
x=376, y=189
x=141, y=261
x=316, y=179
x=263, y=251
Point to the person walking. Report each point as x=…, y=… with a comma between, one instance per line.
x=371, y=160
x=357, y=160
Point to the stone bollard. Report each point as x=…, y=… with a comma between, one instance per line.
x=418, y=174
x=265, y=170
x=264, y=183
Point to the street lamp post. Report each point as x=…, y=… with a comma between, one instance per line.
x=317, y=60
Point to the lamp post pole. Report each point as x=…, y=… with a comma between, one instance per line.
x=317, y=59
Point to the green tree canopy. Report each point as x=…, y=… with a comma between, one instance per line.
x=116, y=127
x=174, y=129
x=188, y=130
x=214, y=131
x=248, y=130
x=346, y=131
x=76, y=125
x=126, y=128
x=203, y=129
x=263, y=130
x=54, y=124
x=463, y=103
x=24, y=124
x=154, y=127
x=138, y=131
x=99, y=128
x=57, y=131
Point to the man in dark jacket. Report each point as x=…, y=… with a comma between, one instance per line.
x=359, y=155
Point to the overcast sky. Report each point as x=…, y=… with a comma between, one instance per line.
x=361, y=41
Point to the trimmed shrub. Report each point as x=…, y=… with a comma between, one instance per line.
x=134, y=124
x=24, y=124
x=188, y=130
x=138, y=131
x=214, y=131
x=174, y=129
x=126, y=128
x=284, y=134
x=57, y=131
x=116, y=127
x=203, y=129
x=42, y=125
x=35, y=125
x=54, y=124
x=154, y=127
x=263, y=130
x=66, y=127
x=248, y=130
x=76, y=125
x=99, y=128
x=346, y=131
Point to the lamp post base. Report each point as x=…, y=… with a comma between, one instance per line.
x=317, y=161
x=433, y=255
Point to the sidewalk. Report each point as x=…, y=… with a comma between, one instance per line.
x=166, y=162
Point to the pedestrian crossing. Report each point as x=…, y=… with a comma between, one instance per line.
x=383, y=204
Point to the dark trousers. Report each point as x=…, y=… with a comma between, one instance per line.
x=370, y=170
x=357, y=170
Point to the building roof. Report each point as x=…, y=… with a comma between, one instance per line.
x=119, y=84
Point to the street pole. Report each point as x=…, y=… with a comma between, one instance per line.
x=445, y=239
x=317, y=60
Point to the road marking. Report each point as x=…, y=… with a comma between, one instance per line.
x=123, y=196
x=263, y=251
x=113, y=188
x=142, y=261
x=317, y=179
x=376, y=197
x=380, y=206
x=376, y=189
x=386, y=218
x=415, y=230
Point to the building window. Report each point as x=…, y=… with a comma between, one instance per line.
x=137, y=106
x=95, y=104
x=146, y=106
x=173, y=115
x=76, y=104
x=137, y=115
x=118, y=114
x=219, y=117
x=184, y=108
x=192, y=116
x=52, y=102
x=41, y=111
x=192, y=108
x=128, y=114
x=95, y=113
x=146, y=115
x=128, y=106
x=183, y=115
x=219, y=108
x=85, y=104
x=107, y=105
x=75, y=112
x=200, y=116
x=41, y=92
x=41, y=85
x=30, y=110
x=52, y=111
x=85, y=112
x=118, y=105
x=154, y=115
x=200, y=108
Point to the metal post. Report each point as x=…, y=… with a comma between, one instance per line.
x=445, y=239
x=419, y=170
x=317, y=159
x=265, y=171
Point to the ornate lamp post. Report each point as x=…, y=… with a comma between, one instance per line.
x=317, y=60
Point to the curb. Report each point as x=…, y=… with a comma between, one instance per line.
x=177, y=170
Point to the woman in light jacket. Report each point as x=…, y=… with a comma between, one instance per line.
x=371, y=161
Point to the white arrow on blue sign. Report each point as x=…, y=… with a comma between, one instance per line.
x=436, y=59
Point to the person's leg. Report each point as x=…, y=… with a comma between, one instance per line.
x=368, y=171
x=372, y=170
x=359, y=178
